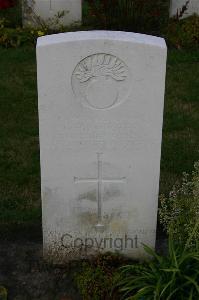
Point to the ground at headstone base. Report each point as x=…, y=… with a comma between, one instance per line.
x=26, y=276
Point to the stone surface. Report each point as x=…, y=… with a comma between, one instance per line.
x=47, y=9
x=176, y=6
x=101, y=97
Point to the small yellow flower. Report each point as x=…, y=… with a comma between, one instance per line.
x=40, y=33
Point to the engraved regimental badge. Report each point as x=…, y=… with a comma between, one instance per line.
x=101, y=81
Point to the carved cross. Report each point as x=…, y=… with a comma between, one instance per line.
x=50, y=4
x=99, y=180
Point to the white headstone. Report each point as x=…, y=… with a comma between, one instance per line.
x=46, y=10
x=101, y=97
x=176, y=7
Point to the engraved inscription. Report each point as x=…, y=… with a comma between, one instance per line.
x=99, y=180
x=100, y=65
x=100, y=81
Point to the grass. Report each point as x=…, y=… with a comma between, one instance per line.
x=180, y=147
x=19, y=141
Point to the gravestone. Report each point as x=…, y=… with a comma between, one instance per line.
x=176, y=7
x=36, y=12
x=101, y=97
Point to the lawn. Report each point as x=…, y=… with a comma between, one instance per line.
x=19, y=140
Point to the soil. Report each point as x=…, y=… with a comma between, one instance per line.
x=25, y=274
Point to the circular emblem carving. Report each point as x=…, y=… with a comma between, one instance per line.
x=101, y=81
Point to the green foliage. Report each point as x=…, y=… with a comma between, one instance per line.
x=131, y=15
x=183, y=33
x=174, y=276
x=98, y=277
x=3, y=293
x=94, y=283
x=144, y=16
x=180, y=211
x=16, y=37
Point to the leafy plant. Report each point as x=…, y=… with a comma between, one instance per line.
x=131, y=15
x=98, y=277
x=11, y=37
x=174, y=276
x=15, y=37
x=183, y=33
x=180, y=211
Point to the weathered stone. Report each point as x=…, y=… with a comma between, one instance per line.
x=177, y=5
x=101, y=97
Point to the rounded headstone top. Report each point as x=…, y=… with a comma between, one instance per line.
x=101, y=34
